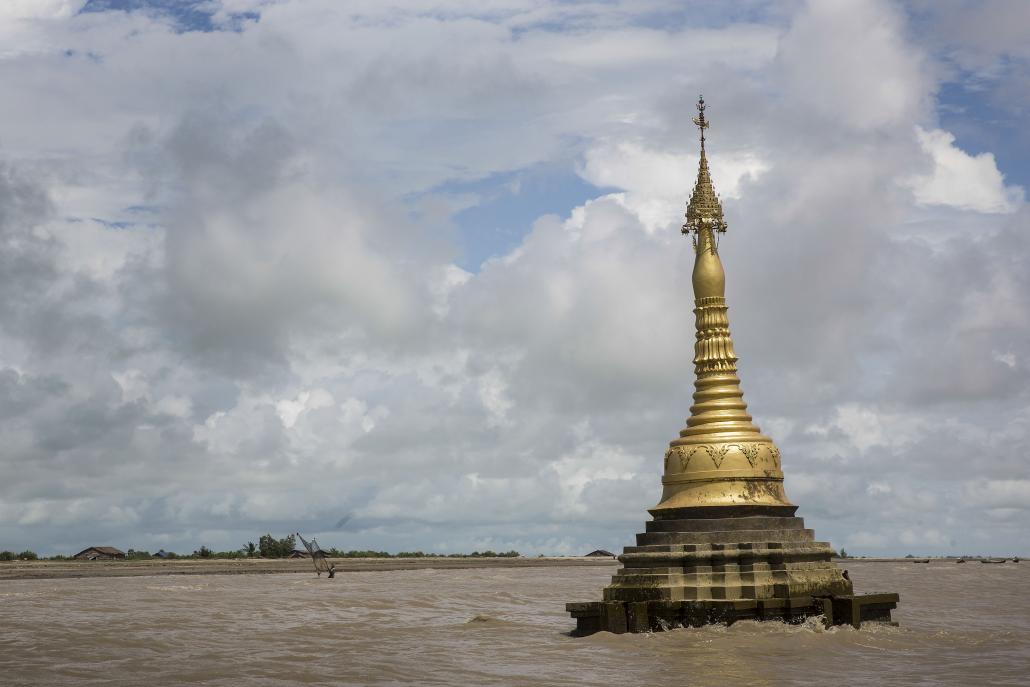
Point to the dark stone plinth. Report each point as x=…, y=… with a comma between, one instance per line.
x=619, y=617
x=854, y=610
x=741, y=511
x=693, y=566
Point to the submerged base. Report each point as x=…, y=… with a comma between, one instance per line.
x=695, y=566
x=620, y=617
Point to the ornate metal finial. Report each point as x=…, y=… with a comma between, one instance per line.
x=704, y=211
x=700, y=120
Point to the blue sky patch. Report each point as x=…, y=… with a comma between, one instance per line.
x=507, y=206
x=984, y=121
x=187, y=15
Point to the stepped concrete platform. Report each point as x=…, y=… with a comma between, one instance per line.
x=655, y=616
x=705, y=568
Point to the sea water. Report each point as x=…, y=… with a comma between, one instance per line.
x=958, y=625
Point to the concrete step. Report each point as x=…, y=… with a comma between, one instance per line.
x=760, y=522
x=774, y=553
x=726, y=537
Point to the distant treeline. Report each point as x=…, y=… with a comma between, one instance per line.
x=268, y=547
x=204, y=552
x=336, y=553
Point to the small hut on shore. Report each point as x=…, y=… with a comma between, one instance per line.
x=601, y=553
x=299, y=553
x=100, y=553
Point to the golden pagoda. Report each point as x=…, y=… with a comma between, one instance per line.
x=724, y=543
x=721, y=459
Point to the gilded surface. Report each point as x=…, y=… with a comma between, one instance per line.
x=724, y=530
x=721, y=458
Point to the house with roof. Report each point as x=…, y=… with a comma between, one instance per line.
x=100, y=553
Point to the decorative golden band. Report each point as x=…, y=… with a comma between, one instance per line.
x=724, y=475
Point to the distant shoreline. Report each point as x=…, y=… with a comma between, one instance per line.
x=51, y=570
x=68, y=569
x=923, y=559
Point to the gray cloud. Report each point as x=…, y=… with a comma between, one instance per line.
x=224, y=313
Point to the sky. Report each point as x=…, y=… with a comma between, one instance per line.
x=408, y=275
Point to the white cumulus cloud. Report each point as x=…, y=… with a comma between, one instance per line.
x=961, y=180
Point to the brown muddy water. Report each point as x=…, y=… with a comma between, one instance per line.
x=959, y=625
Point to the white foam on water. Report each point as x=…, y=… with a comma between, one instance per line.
x=177, y=588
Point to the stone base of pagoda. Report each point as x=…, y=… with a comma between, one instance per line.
x=717, y=565
x=620, y=617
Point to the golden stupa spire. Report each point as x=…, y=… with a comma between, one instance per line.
x=721, y=458
x=724, y=538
